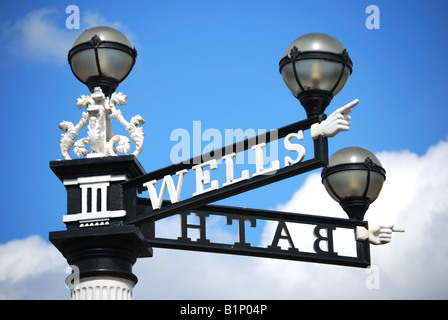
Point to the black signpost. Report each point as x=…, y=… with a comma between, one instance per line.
x=109, y=225
x=117, y=245
x=147, y=214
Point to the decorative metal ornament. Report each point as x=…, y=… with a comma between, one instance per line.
x=102, y=141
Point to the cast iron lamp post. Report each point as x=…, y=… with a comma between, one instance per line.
x=109, y=226
x=97, y=244
x=354, y=178
x=102, y=57
x=315, y=68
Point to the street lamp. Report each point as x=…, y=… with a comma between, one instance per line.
x=102, y=57
x=315, y=68
x=109, y=226
x=354, y=178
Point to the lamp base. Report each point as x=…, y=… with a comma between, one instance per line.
x=107, y=84
x=315, y=101
x=355, y=207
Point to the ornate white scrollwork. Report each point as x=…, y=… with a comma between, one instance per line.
x=102, y=141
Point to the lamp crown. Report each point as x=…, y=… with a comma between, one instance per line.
x=95, y=41
x=315, y=67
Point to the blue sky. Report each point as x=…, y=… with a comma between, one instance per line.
x=214, y=62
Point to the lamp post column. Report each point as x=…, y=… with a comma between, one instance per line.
x=98, y=246
x=101, y=261
x=99, y=123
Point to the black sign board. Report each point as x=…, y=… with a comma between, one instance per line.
x=323, y=248
x=142, y=215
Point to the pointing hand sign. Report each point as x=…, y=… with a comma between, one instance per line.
x=336, y=122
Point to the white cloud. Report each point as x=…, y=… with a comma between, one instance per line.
x=90, y=19
x=42, y=34
x=31, y=268
x=39, y=36
x=29, y=257
x=412, y=266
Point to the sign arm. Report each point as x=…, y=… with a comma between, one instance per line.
x=362, y=258
x=217, y=154
x=225, y=192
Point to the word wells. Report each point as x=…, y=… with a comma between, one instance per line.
x=207, y=181
x=284, y=235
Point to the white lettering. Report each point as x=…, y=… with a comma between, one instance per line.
x=294, y=147
x=230, y=179
x=203, y=177
x=174, y=193
x=259, y=161
x=182, y=150
x=197, y=310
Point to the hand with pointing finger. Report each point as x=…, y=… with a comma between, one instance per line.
x=336, y=122
x=382, y=234
x=379, y=235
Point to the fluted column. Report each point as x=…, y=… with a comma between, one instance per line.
x=104, y=288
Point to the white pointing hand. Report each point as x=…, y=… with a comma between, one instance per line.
x=336, y=122
x=379, y=235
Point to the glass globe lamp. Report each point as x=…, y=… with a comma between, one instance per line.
x=315, y=68
x=102, y=57
x=354, y=177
